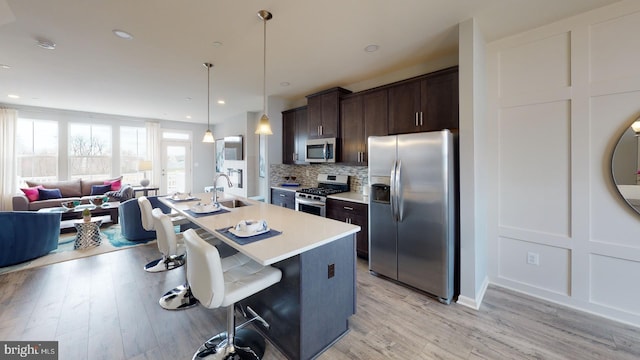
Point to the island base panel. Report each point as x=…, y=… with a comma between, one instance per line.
x=309, y=309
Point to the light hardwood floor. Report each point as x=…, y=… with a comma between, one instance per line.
x=106, y=307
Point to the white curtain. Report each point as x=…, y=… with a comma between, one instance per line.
x=8, y=174
x=154, y=138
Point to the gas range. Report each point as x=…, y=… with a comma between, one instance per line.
x=319, y=191
x=312, y=200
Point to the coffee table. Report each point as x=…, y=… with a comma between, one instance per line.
x=109, y=208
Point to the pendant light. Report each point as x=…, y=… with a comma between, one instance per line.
x=208, y=135
x=264, y=128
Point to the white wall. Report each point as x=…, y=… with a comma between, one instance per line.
x=472, y=139
x=559, y=98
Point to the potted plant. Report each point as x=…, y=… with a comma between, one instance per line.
x=86, y=215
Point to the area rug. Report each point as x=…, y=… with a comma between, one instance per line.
x=112, y=240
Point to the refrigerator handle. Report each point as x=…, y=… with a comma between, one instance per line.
x=392, y=191
x=398, y=190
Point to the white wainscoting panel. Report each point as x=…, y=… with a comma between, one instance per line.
x=535, y=66
x=614, y=283
x=615, y=48
x=534, y=167
x=552, y=273
x=559, y=98
x=612, y=221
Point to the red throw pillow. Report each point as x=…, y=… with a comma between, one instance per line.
x=32, y=193
x=115, y=184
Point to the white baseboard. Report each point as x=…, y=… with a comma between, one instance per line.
x=474, y=303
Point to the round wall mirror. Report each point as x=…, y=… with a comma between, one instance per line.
x=625, y=165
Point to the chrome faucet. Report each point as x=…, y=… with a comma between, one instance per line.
x=214, y=198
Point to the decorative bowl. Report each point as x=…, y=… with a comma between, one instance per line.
x=69, y=205
x=99, y=200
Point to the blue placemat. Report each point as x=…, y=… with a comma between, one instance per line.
x=195, y=214
x=247, y=240
x=179, y=200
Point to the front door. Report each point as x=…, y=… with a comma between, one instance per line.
x=176, y=167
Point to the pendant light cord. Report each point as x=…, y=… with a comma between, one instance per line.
x=208, y=95
x=264, y=69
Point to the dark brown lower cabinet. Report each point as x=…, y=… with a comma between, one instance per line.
x=352, y=213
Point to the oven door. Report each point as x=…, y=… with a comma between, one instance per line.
x=311, y=207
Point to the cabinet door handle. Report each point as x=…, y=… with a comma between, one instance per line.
x=283, y=195
x=295, y=156
x=347, y=208
x=421, y=113
x=416, y=118
x=321, y=129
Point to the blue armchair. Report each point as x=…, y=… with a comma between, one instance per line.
x=130, y=221
x=26, y=235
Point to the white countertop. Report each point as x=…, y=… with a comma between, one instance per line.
x=288, y=188
x=351, y=196
x=300, y=231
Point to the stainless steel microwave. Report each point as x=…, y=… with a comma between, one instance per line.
x=320, y=150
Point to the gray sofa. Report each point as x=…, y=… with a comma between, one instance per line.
x=71, y=190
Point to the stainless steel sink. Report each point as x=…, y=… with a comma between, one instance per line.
x=233, y=203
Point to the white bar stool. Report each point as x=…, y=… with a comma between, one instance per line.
x=217, y=282
x=167, y=261
x=169, y=242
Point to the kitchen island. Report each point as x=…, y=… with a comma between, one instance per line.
x=309, y=309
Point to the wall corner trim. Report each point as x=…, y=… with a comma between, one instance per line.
x=474, y=303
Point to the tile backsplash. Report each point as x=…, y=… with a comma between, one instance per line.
x=307, y=175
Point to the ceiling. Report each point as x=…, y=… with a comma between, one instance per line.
x=311, y=45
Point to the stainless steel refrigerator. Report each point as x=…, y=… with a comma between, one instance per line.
x=412, y=210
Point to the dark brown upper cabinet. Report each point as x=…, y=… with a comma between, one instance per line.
x=294, y=135
x=323, y=113
x=426, y=103
x=362, y=115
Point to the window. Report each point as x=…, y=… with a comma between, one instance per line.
x=89, y=151
x=133, y=149
x=36, y=150
x=176, y=135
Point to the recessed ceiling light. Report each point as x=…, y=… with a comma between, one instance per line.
x=5, y=66
x=285, y=83
x=217, y=43
x=122, y=34
x=188, y=116
x=13, y=96
x=221, y=102
x=46, y=44
x=371, y=48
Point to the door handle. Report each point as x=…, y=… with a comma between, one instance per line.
x=347, y=208
x=392, y=191
x=398, y=197
x=421, y=115
x=416, y=118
